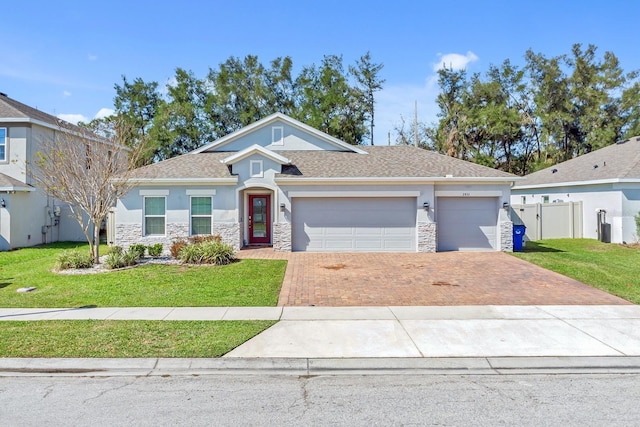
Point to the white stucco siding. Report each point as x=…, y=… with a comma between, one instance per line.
x=593, y=197
x=15, y=164
x=293, y=139
x=178, y=203
x=630, y=208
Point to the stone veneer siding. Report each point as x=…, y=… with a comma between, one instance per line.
x=129, y=234
x=427, y=236
x=282, y=237
x=230, y=233
x=506, y=236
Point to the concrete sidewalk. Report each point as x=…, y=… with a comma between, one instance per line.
x=404, y=332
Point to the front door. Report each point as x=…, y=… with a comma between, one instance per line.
x=259, y=218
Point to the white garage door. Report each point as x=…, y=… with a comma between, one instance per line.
x=467, y=224
x=354, y=224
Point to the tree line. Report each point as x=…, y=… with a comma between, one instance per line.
x=516, y=119
x=195, y=111
x=521, y=119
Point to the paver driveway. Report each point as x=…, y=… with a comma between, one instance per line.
x=446, y=278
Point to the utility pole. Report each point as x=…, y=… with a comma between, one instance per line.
x=415, y=123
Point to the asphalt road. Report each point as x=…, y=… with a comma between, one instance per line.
x=252, y=400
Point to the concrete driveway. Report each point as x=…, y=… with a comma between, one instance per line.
x=418, y=279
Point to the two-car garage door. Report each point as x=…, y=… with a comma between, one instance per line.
x=354, y=224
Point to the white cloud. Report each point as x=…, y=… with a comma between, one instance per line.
x=73, y=118
x=66, y=93
x=454, y=60
x=93, y=57
x=104, y=112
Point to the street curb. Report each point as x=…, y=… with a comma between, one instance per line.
x=13, y=367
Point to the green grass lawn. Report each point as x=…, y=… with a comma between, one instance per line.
x=119, y=338
x=611, y=267
x=243, y=283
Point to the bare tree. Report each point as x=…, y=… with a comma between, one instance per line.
x=87, y=172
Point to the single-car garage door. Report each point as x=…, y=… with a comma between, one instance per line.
x=354, y=224
x=467, y=224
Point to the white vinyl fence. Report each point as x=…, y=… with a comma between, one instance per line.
x=549, y=220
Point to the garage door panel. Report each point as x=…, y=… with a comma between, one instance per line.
x=467, y=224
x=359, y=224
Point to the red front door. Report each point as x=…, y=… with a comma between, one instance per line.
x=259, y=218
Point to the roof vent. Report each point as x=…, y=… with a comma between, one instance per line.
x=554, y=170
x=3, y=94
x=595, y=166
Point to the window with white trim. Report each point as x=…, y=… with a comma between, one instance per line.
x=256, y=169
x=155, y=209
x=201, y=215
x=545, y=199
x=277, y=135
x=3, y=144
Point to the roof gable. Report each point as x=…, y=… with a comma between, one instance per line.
x=297, y=136
x=616, y=162
x=255, y=149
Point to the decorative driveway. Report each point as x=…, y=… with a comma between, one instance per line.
x=419, y=279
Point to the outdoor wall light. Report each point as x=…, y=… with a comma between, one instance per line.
x=425, y=205
x=505, y=205
x=282, y=206
x=3, y=203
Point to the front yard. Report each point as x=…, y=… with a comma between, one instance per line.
x=243, y=283
x=608, y=266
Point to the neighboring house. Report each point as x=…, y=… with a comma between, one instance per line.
x=607, y=180
x=28, y=216
x=280, y=182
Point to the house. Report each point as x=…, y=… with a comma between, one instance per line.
x=280, y=182
x=606, y=181
x=28, y=216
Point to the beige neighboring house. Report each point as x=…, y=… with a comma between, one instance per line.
x=606, y=181
x=280, y=182
x=28, y=216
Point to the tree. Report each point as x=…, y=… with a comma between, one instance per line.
x=369, y=81
x=80, y=169
x=180, y=124
x=136, y=106
x=327, y=102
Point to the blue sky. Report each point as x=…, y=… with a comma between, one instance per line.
x=64, y=57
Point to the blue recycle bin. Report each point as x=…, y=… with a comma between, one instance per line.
x=518, y=237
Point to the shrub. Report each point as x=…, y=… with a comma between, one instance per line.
x=176, y=247
x=138, y=249
x=637, y=218
x=74, y=259
x=117, y=258
x=202, y=239
x=154, y=251
x=211, y=251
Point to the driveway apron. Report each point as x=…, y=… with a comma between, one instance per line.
x=424, y=279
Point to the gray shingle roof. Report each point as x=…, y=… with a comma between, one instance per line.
x=11, y=184
x=10, y=108
x=617, y=161
x=384, y=162
x=201, y=165
x=380, y=162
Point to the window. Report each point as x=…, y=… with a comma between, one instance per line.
x=3, y=144
x=200, y=215
x=277, y=135
x=154, y=216
x=256, y=170
x=545, y=199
